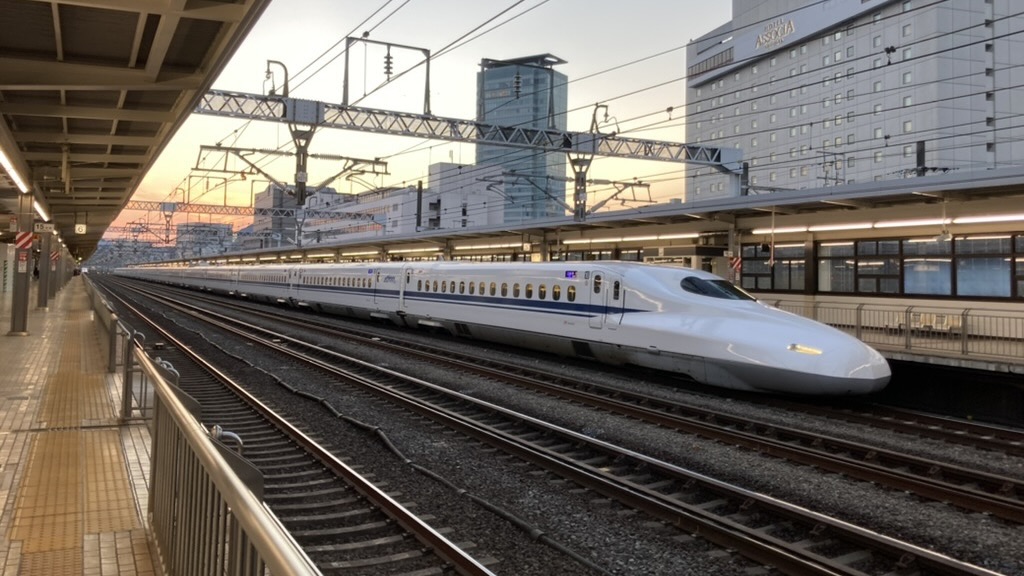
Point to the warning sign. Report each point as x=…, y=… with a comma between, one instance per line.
x=23, y=241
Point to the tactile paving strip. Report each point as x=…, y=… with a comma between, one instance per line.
x=75, y=511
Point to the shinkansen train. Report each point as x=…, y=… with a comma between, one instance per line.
x=661, y=317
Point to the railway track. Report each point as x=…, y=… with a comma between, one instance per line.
x=971, y=489
x=789, y=538
x=343, y=521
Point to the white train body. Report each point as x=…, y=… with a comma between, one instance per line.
x=662, y=317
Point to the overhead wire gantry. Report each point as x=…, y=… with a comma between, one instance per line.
x=313, y=115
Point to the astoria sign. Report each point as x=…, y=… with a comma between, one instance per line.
x=775, y=33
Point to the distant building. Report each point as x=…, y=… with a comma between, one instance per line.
x=831, y=93
x=456, y=197
x=198, y=239
x=525, y=92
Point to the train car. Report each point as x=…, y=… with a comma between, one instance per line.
x=662, y=317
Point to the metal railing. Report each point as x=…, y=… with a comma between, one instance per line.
x=205, y=510
x=985, y=334
x=205, y=501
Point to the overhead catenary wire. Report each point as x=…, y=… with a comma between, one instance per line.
x=818, y=70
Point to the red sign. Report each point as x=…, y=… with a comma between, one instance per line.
x=736, y=263
x=23, y=241
x=54, y=256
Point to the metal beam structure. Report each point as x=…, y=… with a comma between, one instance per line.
x=323, y=115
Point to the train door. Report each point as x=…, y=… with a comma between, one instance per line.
x=404, y=283
x=606, y=299
x=294, y=276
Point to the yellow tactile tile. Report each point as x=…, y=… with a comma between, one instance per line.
x=69, y=474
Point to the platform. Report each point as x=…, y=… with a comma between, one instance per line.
x=73, y=479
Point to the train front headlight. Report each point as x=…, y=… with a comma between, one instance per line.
x=803, y=349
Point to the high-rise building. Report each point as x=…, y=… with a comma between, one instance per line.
x=829, y=93
x=528, y=93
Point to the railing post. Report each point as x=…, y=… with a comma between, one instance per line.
x=907, y=330
x=131, y=369
x=112, y=344
x=964, y=347
x=859, y=321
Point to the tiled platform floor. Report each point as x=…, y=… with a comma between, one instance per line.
x=72, y=478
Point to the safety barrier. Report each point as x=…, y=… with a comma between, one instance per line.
x=988, y=334
x=205, y=510
x=205, y=501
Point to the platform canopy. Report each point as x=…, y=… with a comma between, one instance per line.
x=91, y=91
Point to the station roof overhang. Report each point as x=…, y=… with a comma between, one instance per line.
x=91, y=91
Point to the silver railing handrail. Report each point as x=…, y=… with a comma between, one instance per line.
x=201, y=511
x=966, y=330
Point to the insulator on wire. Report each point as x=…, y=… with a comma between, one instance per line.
x=517, y=84
x=388, y=64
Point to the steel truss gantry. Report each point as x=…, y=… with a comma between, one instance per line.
x=315, y=114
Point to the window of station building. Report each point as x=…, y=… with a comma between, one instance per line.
x=781, y=269
x=983, y=266
x=927, y=267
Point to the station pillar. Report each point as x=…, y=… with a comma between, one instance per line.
x=22, y=267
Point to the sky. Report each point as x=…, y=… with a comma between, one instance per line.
x=627, y=56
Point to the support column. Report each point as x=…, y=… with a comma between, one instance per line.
x=22, y=271
x=45, y=269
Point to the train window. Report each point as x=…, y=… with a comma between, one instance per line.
x=408, y=278
x=597, y=284
x=570, y=294
x=714, y=288
x=494, y=288
x=451, y=286
x=504, y=289
x=556, y=292
x=462, y=287
x=515, y=290
x=419, y=284
x=435, y=285
x=616, y=287
x=472, y=288
x=542, y=291
x=481, y=287
x=529, y=291
x=444, y=287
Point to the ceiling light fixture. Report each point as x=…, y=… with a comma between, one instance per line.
x=9, y=167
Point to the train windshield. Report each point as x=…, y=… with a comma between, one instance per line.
x=714, y=288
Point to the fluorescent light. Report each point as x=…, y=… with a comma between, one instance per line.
x=9, y=167
x=579, y=241
x=638, y=238
x=409, y=250
x=366, y=253
x=39, y=210
x=991, y=218
x=830, y=227
x=489, y=246
x=837, y=243
x=918, y=222
x=678, y=236
x=788, y=230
